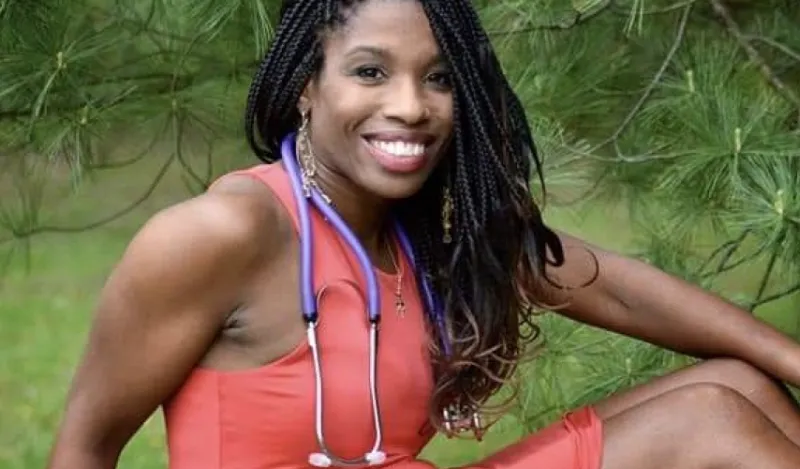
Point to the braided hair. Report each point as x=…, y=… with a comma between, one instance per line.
x=487, y=277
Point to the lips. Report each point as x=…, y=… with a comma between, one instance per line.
x=400, y=151
x=398, y=156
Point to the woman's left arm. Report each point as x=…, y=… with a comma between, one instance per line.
x=635, y=299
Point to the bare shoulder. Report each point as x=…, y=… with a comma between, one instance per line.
x=162, y=308
x=238, y=219
x=206, y=248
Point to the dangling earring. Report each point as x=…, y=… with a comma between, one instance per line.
x=308, y=163
x=447, y=215
x=308, y=167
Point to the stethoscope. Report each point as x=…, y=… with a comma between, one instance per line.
x=302, y=192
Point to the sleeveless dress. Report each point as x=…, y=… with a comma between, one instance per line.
x=263, y=418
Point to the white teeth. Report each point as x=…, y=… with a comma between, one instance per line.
x=400, y=149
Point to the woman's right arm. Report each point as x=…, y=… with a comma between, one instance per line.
x=158, y=314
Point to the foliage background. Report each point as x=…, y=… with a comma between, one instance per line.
x=669, y=130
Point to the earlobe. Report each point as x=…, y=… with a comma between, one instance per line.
x=304, y=102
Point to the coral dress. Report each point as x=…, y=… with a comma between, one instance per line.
x=263, y=418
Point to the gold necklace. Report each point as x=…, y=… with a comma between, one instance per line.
x=308, y=166
x=399, y=302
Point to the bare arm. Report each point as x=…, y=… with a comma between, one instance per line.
x=633, y=298
x=157, y=316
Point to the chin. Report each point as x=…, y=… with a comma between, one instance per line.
x=393, y=187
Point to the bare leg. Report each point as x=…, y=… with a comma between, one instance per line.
x=697, y=426
x=766, y=394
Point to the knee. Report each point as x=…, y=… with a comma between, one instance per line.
x=717, y=415
x=710, y=404
x=674, y=422
x=738, y=375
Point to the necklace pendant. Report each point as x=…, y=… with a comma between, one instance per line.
x=400, y=306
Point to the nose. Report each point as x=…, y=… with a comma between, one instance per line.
x=406, y=102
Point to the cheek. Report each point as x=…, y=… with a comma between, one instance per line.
x=443, y=103
x=445, y=115
x=342, y=101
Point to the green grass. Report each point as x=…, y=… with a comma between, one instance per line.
x=48, y=293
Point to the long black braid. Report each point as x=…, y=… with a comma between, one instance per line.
x=487, y=276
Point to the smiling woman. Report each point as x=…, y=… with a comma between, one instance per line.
x=365, y=98
x=393, y=200
x=383, y=113
x=367, y=125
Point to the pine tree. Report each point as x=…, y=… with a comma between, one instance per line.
x=687, y=112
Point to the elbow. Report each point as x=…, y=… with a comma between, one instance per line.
x=78, y=450
x=64, y=457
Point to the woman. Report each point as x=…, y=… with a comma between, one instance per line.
x=401, y=113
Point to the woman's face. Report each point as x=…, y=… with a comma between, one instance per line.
x=381, y=107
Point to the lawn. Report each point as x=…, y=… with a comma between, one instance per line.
x=46, y=299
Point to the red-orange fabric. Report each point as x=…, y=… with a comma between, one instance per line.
x=263, y=418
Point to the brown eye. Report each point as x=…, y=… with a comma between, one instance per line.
x=441, y=79
x=369, y=73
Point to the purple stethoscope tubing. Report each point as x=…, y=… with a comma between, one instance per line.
x=310, y=313
x=325, y=457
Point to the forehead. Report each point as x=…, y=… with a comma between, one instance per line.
x=397, y=26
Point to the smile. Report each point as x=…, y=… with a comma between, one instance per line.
x=398, y=156
x=398, y=148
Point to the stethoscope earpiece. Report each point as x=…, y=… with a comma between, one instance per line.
x=373, y=458
x=319, y=460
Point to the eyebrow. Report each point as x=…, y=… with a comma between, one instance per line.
x=384, y=54
x=371, y=50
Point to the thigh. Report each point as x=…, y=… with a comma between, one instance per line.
x=734, y=374
x=647, y=435
x=697, y=426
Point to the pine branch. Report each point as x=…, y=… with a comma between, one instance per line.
x=14, y=114
x=130, y=160
x=203, y=183
x=676, y=44
x=776, y=296
x=727, y=266
x=777, y=45
x=577, y=19
x=140, y=26
x=654, y=154
x=762, y=287
x=655, y=11
x=729, y=248
x=181, y=82
x=63, y=229
x=736, y=31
